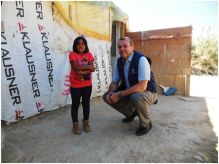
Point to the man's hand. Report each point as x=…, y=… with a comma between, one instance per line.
x=112, y=88
x=106, y=98
x=114, y=97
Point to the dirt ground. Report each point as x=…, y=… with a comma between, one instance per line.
x=184, y=130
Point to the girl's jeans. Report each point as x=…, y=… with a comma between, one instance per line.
x=76, y=94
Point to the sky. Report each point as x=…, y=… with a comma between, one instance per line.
x=157, y=14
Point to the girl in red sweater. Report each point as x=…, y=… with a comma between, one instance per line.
x=81, y=82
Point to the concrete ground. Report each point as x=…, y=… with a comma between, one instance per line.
x=184, y=130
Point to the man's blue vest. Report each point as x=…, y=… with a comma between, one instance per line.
x=133, y=72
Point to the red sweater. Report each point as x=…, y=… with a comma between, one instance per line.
x=79, y=81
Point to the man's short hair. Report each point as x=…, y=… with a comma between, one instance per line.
x=127, y=38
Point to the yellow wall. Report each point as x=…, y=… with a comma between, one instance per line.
x=86, y=19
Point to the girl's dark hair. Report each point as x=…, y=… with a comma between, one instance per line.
x=76, y=42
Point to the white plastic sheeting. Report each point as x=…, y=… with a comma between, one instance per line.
x=35, y=41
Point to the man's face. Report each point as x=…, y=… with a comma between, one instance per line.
x=125, y=49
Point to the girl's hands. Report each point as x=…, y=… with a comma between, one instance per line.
x=92, y=69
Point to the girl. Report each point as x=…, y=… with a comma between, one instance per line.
x=81, y=85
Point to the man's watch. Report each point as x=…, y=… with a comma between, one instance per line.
x=119, y=94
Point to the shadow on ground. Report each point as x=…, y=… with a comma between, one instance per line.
x=182, y=132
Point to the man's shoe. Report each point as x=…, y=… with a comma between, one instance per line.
x=142, y=130
x=129, y=119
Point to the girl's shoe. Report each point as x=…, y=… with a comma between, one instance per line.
x=76, y=128
x=86, y=126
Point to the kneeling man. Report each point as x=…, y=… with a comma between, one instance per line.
x=133, y=87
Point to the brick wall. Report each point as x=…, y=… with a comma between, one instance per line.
x=170, y=51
